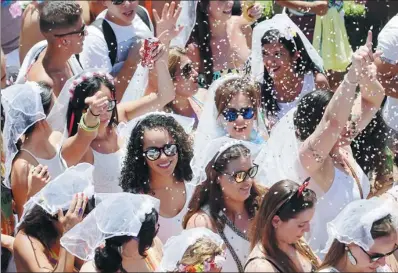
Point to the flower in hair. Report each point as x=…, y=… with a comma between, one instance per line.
x=303, y=186
x=289, y=33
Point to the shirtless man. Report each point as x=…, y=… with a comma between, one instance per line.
x=63, y=28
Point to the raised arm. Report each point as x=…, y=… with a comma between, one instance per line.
x=77, y=149
x=319, y=7
x=318, y=145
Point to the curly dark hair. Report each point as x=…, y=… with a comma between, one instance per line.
x=211, y=194
x=135, y=172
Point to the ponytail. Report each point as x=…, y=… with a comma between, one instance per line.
x=108, y=259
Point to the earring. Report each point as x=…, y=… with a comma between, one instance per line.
x=351, y=257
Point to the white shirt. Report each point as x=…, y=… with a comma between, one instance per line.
x=390, y=112
x=388, y=40
x=95, y=52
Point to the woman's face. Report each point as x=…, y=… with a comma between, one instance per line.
x=220, y=10
x=122, y=14
x=186, y=78
x=106, y=116
x=240, y=128
x=293, y=229
x=232, y=190
x=156, y=139
x=382, y=245
x=277, y=60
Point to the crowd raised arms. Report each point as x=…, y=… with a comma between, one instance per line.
x=198, y=136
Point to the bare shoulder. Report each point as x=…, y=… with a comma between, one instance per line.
x=88, y=267
x=260, y=265
x=56, y=138
x=201, y=219
x=37, y=73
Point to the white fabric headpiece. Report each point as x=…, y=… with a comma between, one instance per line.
x=209, y=126
x=288, y=29
x=118, y=214
x=187, y=19
x=58, y=193
x=215, y=147
x=354, y=223
x=387, y=42
x=23, y=108
x=175, y=247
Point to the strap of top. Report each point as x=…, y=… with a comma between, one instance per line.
x=35, y=158
x=267, y=258
x=110, y=38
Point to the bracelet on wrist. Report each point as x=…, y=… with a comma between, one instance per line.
x=86, y=128
x=89, y=109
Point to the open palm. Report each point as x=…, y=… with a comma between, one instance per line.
x=166, y=28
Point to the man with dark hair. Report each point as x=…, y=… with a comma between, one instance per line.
x=53, y=61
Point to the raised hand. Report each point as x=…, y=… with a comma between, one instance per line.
x=38, y=177
x=166, y=28
x=75, y=213
x=97, y=104
x=361, y=59
x=256, y=11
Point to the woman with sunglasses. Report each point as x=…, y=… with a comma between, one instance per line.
x=119, y=235
x=157, y=163
x=283, y=218
x=189, y=97
x=92, y=116
x=227, y=197
x=362, y=237
x=232, y=108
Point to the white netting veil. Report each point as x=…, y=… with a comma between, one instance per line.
x=175, y=247
x=118, y=214
x=215, y=147
x=287, y=28
x=187, y=19
x=58, y=193
x=354, y=223
x=23, y=108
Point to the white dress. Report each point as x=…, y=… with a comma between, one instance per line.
x=107, y=171
x=240, y=245
x=173, y=226
x=343, y=191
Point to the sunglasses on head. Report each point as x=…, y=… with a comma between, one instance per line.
x=119, y=2
x=232, y=114
x=153, y=153
x=375, y=257
x=241, y=176
x=81, y=32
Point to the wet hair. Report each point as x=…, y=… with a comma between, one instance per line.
x=135, y=172
x=380, y=228
x=42, y=226
x=210, y=193
x=226, y=92
x=309, y=113
x=77, y=104
x=201, y=35
x=108, y=258
x=58, y=15
x=302, y=65
x=204, y=249
x=282, y=200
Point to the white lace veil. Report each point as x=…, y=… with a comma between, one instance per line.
x=175, y=247
x=210, y=126
x=287, y=28
x=187, y=19
x=215, y=147
x=59, y=192
x=118, y=214
x=279, y=157
x=125, y=129
x=23, y=108
x=57, y=118
x=354, y=223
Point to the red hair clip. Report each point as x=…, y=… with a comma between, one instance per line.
x=303, y=186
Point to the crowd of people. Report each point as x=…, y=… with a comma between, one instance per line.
x=199, y=136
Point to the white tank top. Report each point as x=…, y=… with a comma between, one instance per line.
x=308, y=86
x=173, y=226
x=343, y=191
x=55, y=165
x=240, y=245
x=107, y=169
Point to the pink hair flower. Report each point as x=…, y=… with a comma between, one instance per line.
x=15, y=10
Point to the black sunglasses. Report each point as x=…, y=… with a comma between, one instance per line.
x=375, y=257
x=119, y=2
x=241, y=176
x=81, y=32
x=153, y=153
x=232, y=114
x=111, y=105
